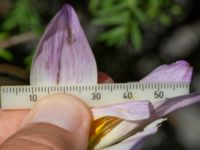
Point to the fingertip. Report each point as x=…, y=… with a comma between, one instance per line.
x=65, y=111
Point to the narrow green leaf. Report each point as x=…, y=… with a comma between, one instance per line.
x=115, y=19
x=153, y=8
x=139, y=14
x=136, y=35
x=6, y=55
x=93, y=5
x=116, y=36
x=116, y=8
x=28, y=60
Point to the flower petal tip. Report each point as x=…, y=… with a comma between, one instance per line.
x=180, y=71
x=63, y=55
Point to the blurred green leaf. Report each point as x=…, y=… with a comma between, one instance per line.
x=117, y=15
x=4, y=35
x=176, y=10
x=5, y=54
x=22, y=15
x=115, y=19
x=115, y=36
x=165, y=19
x=93, y=5
x=139, y=14
x=136, y=35
x=117, y=8
x=28, y=60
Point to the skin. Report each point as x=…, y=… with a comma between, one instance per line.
x=19, y=132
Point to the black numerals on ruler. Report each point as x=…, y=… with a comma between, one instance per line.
x=33, y=98
x=96, y=96
x=159, y=94
x=128, y=95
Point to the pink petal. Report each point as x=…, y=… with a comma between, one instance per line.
x=63, y=55
x=176, y=103
x=179, y=71
x=139, y=110
x=159, y=110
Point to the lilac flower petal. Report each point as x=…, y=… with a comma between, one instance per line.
x=63, y=55
x=179, y=71
x=134, y=142
x=176, y=103
x=139, y=110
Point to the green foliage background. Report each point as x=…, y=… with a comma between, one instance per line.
x=124, y=21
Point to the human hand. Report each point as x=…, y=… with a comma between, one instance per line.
x=58, y=122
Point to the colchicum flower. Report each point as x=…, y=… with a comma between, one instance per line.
x=65, y=57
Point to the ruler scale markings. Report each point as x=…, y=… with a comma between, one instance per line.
x=110, y=93
x=35, y=89
x=114, y=86
x=120, y=87
x=105, y=88
x=95, y=88
x=79, y=89
x=45, y=89
x=48, y=90
x=167, y=85
x=158, y=86
x=102, y=88
x=98, y=88
x=126, y=87
x=82, y=88
x=32, y=89
x=111, y=88
x=72, y=88
x=117, y=87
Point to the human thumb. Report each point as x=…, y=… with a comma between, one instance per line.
x=58, y=122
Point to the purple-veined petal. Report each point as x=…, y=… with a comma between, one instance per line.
x=63, y=55
x=159, y=110
x=131, y=111
x=135, y=142
x=176, y=103
x=179, y=71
